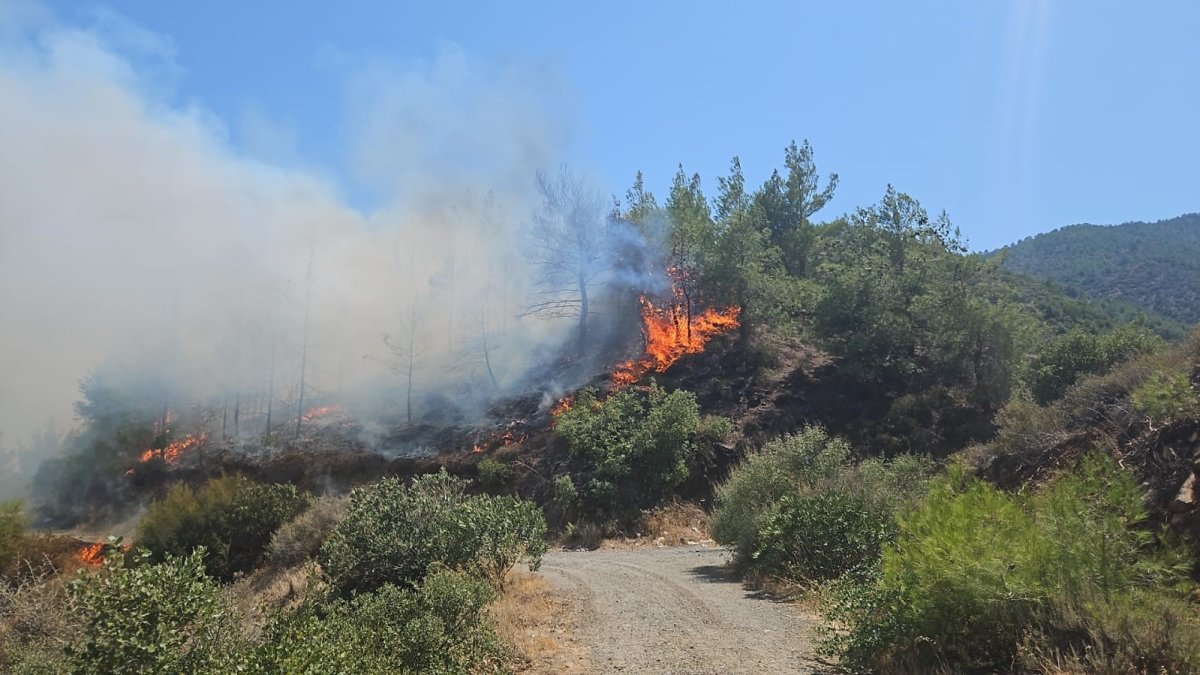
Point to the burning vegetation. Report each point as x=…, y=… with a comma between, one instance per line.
x=172, y=451
x=92, y=555
x=671, y=332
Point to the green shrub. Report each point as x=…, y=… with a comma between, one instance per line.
x=635, y=448
x=152, y=618
x=783, y=466
x=440, y=626
x=393, y=533
x=300, y=538
x=231, y=517
x=974, y=570
x=1167, y=397
x=1070, y=357
x=820, y=538
x=494, y=474
x=566, y=495
x=800, y=503
x=716, y=429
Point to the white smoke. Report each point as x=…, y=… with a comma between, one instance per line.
x=133, y=231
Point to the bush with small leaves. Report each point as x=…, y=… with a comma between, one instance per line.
x=1067, y=359
x=439, y=626
x=393, y=534
x=153, y=618
x=566, y=495
x=820, y=538
x=782, y=467
x=494, y=474
x=802, y=509
x=637, y=449
x=232, y=518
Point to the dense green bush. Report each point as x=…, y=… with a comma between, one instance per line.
x=300, y=538
x=152, y=618
x=974, y=572
x=820, y=538
x=801, y=508
x=439, y=626
x=1070, y=357
x=636, y=449
x=494, y=474
x=231, y=517
x=133, y=616
x=393, y=533
x=783, y=466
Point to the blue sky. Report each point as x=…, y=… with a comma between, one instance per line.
x=1014, y=116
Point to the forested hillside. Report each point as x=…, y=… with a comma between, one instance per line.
x=1155, y=266
x=965, y=469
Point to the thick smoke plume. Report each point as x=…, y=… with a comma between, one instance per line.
x=136, y=237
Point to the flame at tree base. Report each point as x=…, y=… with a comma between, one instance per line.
x=669, y=335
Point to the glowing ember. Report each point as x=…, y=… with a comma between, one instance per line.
x=321, y=411
x=92, y=555
x=170, y=454
x=669, y=335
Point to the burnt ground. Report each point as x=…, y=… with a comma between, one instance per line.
x=778, y=388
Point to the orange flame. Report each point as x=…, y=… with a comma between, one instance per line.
x=670, y=334
x=170, y=454
x=92, y=555
x=321, y=411
x=564, y=404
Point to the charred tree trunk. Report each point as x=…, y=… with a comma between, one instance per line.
x=583, y=315
x=304, y=349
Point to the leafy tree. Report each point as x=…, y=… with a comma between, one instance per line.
x=691, y=236
x=905, y=308
x=788, y=203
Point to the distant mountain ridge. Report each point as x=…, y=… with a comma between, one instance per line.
x=1153, y=266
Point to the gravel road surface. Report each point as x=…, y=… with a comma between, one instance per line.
x=675, y=610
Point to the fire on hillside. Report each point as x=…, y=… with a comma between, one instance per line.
x=671, y=333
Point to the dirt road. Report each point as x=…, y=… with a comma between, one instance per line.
x=674, y=610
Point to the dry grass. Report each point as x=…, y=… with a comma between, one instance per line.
x=537, y=621
x=672, y=524
x=269, y=589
